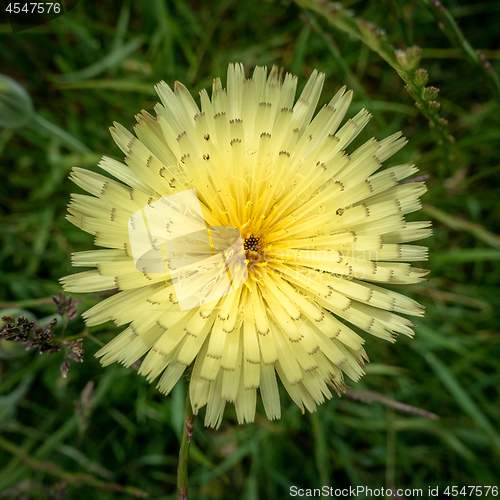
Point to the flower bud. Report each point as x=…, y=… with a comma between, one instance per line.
x=421, y=77
x=413, y=55
x=433, y=107
x=430, y=93
x=409, y=58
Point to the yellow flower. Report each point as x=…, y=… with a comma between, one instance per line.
x=321, y=229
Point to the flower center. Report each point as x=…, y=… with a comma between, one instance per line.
x=251, y=244
x=254, y=249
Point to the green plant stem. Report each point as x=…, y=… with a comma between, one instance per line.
x=460, y=224
x=374, y=38
x=182, y=468
x=451, y=29
x=48, y=128
x=320, y=449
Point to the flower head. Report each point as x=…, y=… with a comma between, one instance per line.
x=320, y=230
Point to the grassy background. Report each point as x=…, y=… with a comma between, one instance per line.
x=119, y=438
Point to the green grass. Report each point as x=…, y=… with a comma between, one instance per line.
x=97, y=65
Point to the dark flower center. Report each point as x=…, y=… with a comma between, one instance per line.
x=251, y=243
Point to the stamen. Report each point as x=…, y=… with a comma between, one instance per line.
x=251, y=243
